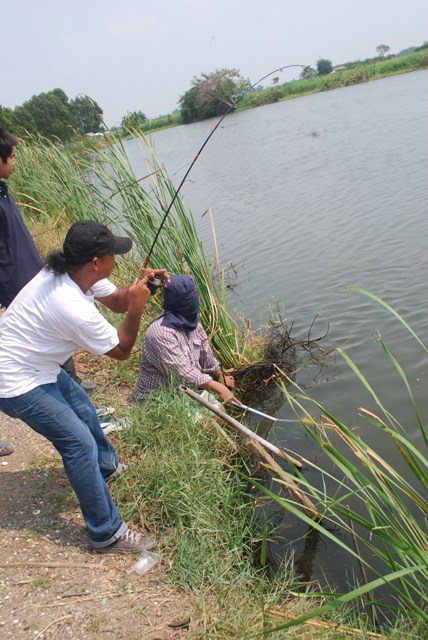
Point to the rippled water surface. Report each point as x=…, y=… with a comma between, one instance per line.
x=308, y=196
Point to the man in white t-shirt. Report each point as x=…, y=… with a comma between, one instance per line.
x=52, y=316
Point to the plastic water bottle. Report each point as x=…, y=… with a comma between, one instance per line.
x=146, y=561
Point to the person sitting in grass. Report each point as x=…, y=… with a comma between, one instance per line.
x=176, y=347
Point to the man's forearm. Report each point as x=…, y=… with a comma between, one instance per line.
x=122, y=303
x=118, y=301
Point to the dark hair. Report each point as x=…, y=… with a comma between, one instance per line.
x=7, y=142
x=57, y=263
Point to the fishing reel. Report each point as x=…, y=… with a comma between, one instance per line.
x=154, y=284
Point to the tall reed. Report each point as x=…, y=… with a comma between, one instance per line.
x=99, y=182
x=383, y=510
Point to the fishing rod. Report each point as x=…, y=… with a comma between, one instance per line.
x=177, y=191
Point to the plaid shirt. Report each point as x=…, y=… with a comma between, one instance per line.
x=171, y=354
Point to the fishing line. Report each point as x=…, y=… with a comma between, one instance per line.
x=177, y=191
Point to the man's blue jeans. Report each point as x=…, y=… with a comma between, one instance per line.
x=63, y=413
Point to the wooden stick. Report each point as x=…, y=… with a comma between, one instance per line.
x=327, y=625
x=70, y=603
x=240, y=427
x=223, y=433
x=57, y=565
x=307, y=506
x=68, y=615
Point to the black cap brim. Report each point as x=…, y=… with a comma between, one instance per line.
x=121, y=244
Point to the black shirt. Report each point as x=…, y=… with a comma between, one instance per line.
x=19, y=259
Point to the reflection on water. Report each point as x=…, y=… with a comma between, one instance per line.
x=305, y=562
x=302, y=216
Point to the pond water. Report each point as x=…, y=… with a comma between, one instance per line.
x=308, y=196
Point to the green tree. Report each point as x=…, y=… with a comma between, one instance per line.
x=23, y=122
x=89, y=114
x=212, y=94
x=308, y=72
x=6, y=118
x=133, y=119
x=61, y=95
x=324, y=67
x=382, y=49
x=53, y=114
x=188, y=109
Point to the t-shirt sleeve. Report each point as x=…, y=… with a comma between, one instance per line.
x=103, y=288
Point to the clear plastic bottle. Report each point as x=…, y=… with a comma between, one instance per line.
x=146, y=562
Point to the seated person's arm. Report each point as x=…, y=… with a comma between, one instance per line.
x=210, y=364
x=222, y=392
x=228, y=381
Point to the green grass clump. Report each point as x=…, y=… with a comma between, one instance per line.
x=180, y=483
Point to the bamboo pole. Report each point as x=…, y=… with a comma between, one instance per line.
x=259, y=445
x=58, y=565
x=240, y=427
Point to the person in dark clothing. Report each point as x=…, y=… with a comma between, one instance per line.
x=19, y=258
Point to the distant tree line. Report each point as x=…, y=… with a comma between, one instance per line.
x=53, y=115
x=324, y=67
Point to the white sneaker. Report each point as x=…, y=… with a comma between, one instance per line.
x=121, y=468
x=129, y=542
x=116, y=424
x=102, y=412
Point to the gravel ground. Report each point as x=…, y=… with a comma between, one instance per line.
x=51, y=584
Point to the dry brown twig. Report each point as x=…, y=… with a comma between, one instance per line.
x=68, y=615
x=62, y=565
x=327, y=625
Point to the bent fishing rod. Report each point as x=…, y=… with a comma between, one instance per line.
x=177, y=191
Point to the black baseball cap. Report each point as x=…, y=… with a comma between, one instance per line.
x=88, y=239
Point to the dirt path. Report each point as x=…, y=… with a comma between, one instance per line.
x=51, y=584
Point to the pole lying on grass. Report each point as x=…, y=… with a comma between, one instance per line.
x=259, y=445
x=240, y=427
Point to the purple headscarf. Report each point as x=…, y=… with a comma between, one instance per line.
x=180, y=304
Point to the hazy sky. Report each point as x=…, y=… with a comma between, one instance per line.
x=132, y=55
